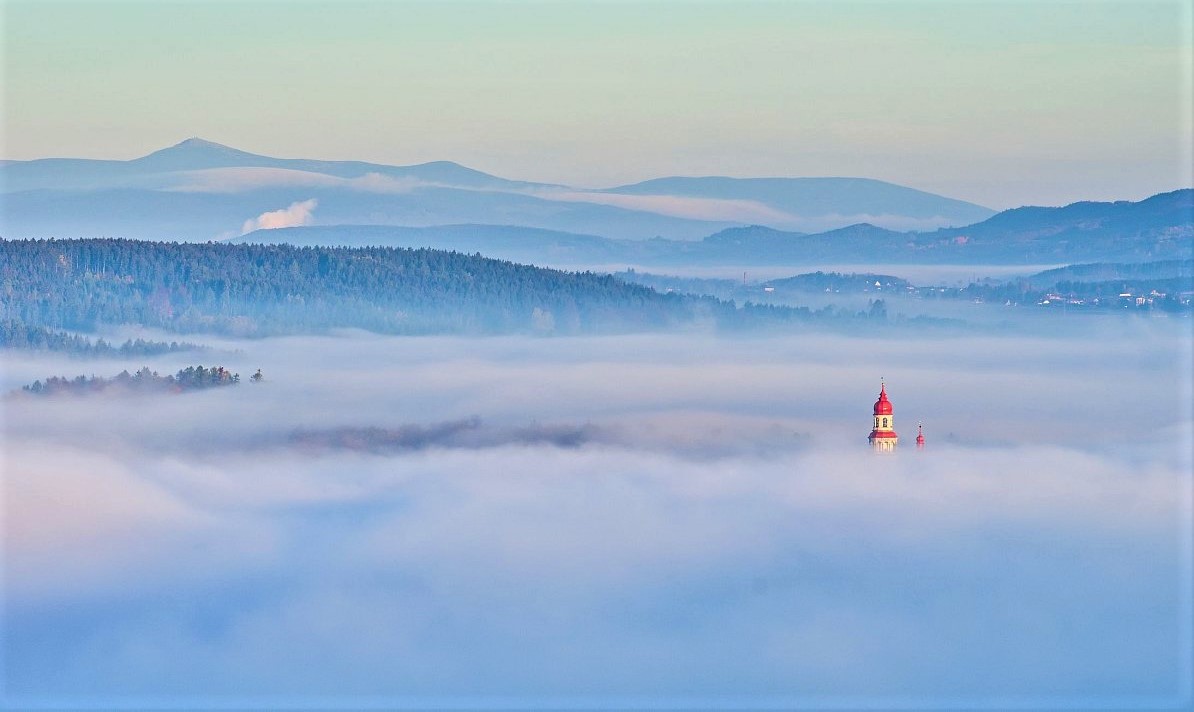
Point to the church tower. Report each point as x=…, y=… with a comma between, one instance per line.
x=883, y=436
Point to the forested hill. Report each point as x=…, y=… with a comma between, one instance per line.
x=269, y=289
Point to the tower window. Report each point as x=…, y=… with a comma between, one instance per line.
x=885, y=422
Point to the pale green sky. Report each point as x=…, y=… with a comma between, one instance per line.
x=1002, y=103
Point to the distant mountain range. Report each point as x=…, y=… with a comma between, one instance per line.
x=1159, y=228
x=198, y=190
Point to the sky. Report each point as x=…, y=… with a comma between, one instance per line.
x=569, y=522
x=999, y=103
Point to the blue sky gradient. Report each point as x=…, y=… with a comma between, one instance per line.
x=999, y=103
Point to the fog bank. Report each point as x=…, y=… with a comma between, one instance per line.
x=637, y=521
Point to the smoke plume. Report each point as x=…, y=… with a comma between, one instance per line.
x=294, y=215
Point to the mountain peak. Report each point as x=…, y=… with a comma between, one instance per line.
x=196, y=142
x=196, y=152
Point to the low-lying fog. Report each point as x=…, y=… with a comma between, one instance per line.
x=667, y=520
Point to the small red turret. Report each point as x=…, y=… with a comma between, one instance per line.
x=920, y=437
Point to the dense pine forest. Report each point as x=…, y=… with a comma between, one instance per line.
x=48, y=286
x=19, y=335
x=254, y=290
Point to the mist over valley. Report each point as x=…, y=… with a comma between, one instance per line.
x=494, y=498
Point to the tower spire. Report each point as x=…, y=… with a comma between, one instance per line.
x=883, y=437
x=920, y=436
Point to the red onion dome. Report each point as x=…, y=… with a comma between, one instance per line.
x=883, y=406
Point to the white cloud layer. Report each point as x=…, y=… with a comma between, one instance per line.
x=246, y=179
x=714, y=209
x=751, y=212
x=240, y=180
x=643, y=520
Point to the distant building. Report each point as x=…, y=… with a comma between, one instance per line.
x=920, y=436
x=883, y=437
